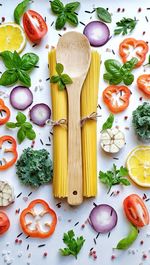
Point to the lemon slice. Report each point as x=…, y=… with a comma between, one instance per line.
x=138, y=164
x=12, y=37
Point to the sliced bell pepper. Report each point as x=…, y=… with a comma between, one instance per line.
x=38, y=231
x=116, y=98
x=4, y=164
x=5, y=109
x=136, y=210
x=140, y=48
x=4, y=223
x=143, y=83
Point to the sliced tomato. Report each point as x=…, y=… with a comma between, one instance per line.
x=4, y=222
x=143, y=83
x=136, y=210
x=34, y=26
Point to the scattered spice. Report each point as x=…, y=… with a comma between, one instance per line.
x=3, y=19
x=83, y=226
x=125, y=117
x=118, y=10
x=144, y=196
x=27, y=237
x=76, y=224
x=42, y=245
x=20, y=241
x=109, y=234
x=123, y=9
x=144, y=32
x=146, y=18
x=86, y=11
x=34, y=45
x=17, y=211
x=115, y=158
x=19, y=234
x=113, y=52
x=113, y=257
x=147, y=199
x=16, y=240
x=141, y=242
x=97, y=235
x=59, y=35
x=82, y=23
x=29, y=194
x=140, y=9
x=27, y=246
x=140, y=98
x=47, y=79
x=41, y=142
x=45, y=254
x=52, y=23
x=94, y=241
x=144, y=256
x=19, y=194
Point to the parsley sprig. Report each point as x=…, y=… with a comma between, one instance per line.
x=125, y=26
x=114, y=177
x=65, y=13
x=61, y=79
x=73, y=245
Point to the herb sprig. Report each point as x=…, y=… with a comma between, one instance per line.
x=61, y=79
x=114, y=177
x=103, y=14
x=18, y=67
x=117, y=73
x=125, y=26
x=148, y=61
x=108, y=123
x=73, y=245
x=65, y=13
x=25, y=129
x=19, y=10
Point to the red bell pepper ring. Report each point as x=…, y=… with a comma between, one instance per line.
x=5, y=109
x=121, y=100
x=143, y=83
x=38, y=232
x=124, y=50
x=13, y=149
x=136, y=210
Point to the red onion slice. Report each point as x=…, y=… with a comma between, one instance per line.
x=40, y=113
x=103, y=218
x=21, y=97
x=97, y=33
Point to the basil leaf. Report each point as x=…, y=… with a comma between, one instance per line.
x=59, y=68
x=71, y=7
x=54, y=79
x=72, y=18
x=21, y=118
x=11, y=125
x=103, y=14
x=27, y=125
x=19, y=10
x=7, y=57
x=30, y=134
x=128, y=79
x=108, y=123
x=66, y=79
x=149, y=59
x=9, y=77
x=21, y=135
x=24, y=78
x=16, y=60
x=115, y=81
x=113, y=66
x=57, y=6
x=29, y=60
x=60, y=21
x=128, y=66
x=107, y=76
x=61, y=85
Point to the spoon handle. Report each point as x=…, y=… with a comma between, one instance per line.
x=75, y=190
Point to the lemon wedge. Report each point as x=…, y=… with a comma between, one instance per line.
x=138, y=164
x=12, y=37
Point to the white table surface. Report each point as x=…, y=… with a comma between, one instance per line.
x=80, y=214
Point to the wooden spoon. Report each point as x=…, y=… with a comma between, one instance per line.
x=73, y=51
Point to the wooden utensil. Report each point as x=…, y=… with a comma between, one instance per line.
x=73, y=51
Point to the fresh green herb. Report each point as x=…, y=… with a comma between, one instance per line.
x=103, y=14
x=141, y=121
x=65, y=13
x=19, y=10
x=114, y=177
x=17, y=67
x=125, y=26
x=61, y=79
x=108, y=123
x=148, y=61
x=25, y=128
x=117, y=73
x=73, y=245
x=34, y=167
x=126, y=242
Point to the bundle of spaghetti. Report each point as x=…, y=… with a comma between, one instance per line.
x=89, y=100
x=60, y=153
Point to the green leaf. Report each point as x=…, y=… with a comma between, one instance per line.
x=72, y=18
x=124, y=182
x=61, y=85
x=30, y=134
x=107, y=76
x=9, y=77
x=55, y=79
x=7, y=57
x=27, y=125
x=21, y=118
x=21, y=135
x=128, y=66
x=59, y=68
x=126, y=242
x=113, y=67
x=108, y=123
x=123, y=172
x=60, y=21
x=125, y=26
x=66, y=79
x=19, y=10
x=128, y=79
x=24, y=78
x=29, y=60
x=71, y=7
x=103, y=14
x=57, y=6
x=117, y=31
x=16, y=60
x=149, y=59
x=11, y=125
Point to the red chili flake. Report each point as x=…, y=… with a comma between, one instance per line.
x=17, y=211
x=16, y=240
x=3, y=19
x=45, y=254
x=94, y=252
x=113, y=257
x=118, y=10
x=140, y=98
x=144, y=256
x=20, y=241
x=95, y=257
x=90, y=253
x=125, y=117
x=140, y=9
x=64, y=28
x=141, y=242
x=144, y=196
x=69, y=220
x=82, y=226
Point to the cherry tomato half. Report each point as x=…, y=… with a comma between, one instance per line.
x=34, y=26
x=4, y=223
x=136, y=210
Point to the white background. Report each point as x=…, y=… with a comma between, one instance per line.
x=104, y=244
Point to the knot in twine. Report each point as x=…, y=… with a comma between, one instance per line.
x=92, y=116
x=61, y=122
